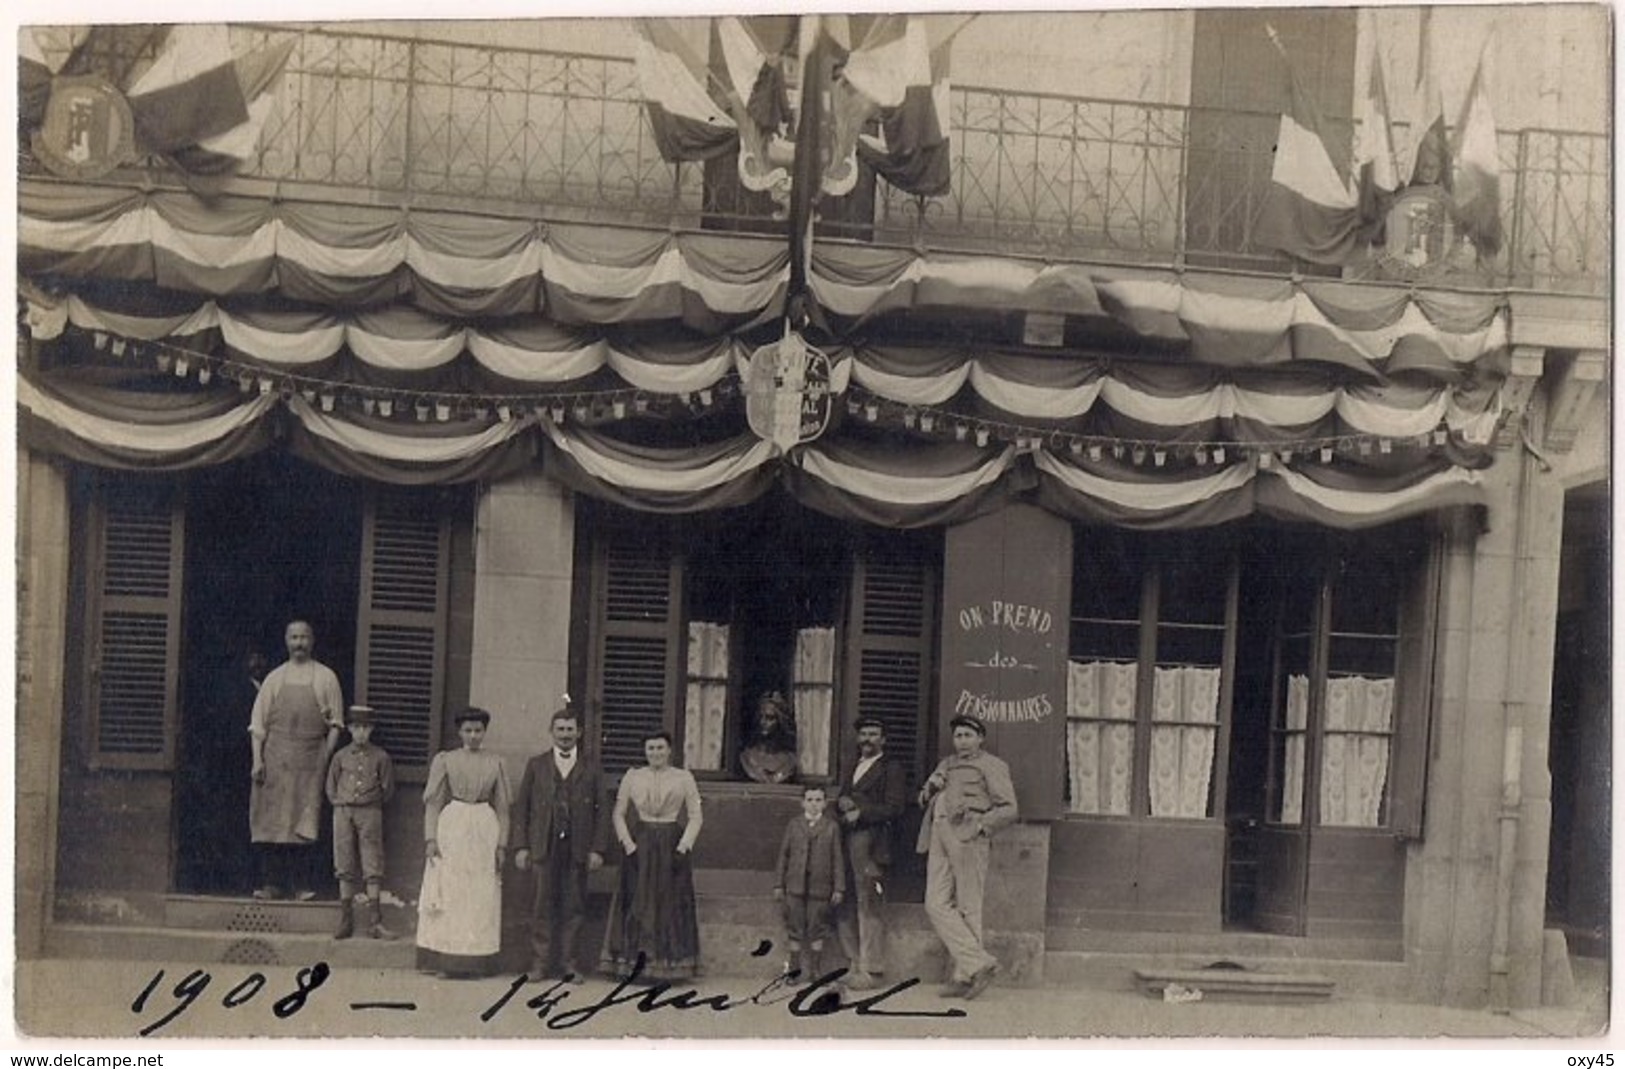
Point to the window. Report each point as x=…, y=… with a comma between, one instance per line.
x=1352, y=671
x=1151, y=646
x=695, y=620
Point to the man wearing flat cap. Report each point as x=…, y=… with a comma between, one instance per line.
x=967, y=799
x=873, y=795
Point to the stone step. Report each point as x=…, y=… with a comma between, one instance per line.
x=1234, y=985
x=198, y=946
x=251, y=916
x=1122, y=971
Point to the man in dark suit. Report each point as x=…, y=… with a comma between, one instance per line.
x=873, y=794
x=558, y=822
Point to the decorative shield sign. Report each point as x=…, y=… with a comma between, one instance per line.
x=88, y=129
x=1420, y=237
x=787, y=392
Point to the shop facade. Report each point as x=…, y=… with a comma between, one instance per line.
x=1254, y=576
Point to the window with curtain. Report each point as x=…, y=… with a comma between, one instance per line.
x=1153, y=619
x=1338, y=655
x=699, y=617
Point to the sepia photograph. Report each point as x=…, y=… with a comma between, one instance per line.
x=1085, y=524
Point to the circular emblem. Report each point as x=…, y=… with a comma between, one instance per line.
x=787, y=392
x=88, y=129
x=1420, y=236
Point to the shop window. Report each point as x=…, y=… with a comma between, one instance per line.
x=1152, y=630
x=1353, y=654
x=696, y=621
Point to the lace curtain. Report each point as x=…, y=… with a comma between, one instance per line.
x=706, y=702
x=813, y=679
x=1100, y=735
x=1185, y=721
x=1100, y=697
x=1354, y=764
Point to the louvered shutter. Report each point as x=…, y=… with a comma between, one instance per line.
x=888, y=647
x=401, y=641
x=637, y=595
x=138, y=545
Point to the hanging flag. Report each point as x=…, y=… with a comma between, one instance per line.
x=1476, y=195
x=1430, y=159
x=224, y=153
x=41, y=53
x=202, y=106
x=1309, y=212
x=1374, y=151
x=688, y=124
x=190, y=92
x=753, y=82
x=911, y=150
x=817, y=56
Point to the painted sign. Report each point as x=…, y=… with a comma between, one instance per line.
x=88, y=129
x=1007, y=593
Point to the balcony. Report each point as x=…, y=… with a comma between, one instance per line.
x=564, y=135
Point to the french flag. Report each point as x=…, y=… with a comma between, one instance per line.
x=1476, y=194
x=912, y=148
x=202, y=106
x=1374, y=152
x=688, y=124
x=1309, y=211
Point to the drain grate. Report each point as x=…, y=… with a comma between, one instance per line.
x=254, y=918
x=251, y=952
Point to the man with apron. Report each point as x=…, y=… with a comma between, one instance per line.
x=295, y=728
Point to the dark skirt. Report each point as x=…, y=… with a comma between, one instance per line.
x=653, y=909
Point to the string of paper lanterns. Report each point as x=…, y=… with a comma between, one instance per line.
x=561, y=406
x=591, y=407
x=938, y=422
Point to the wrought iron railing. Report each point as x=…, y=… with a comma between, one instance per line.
x=564, y=134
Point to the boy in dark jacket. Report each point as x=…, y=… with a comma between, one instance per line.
x=809, y=879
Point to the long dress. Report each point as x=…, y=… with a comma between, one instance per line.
x=653, y=910
x=465, y=810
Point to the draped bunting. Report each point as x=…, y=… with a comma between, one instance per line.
x=841, y=474
x=444, y=307
x=362, y=254
x=1176, y=402
x=576, y=274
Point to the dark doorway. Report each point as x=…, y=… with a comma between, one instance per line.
x=269, y=540
x=1578, y=871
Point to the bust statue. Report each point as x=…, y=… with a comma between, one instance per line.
x=770, y=754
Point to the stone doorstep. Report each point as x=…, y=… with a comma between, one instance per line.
x=1239, y=985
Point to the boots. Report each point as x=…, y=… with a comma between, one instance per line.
x=346, y=919
x=375, y=921
x=809, y=964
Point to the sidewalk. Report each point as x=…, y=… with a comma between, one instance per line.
x=59, y=998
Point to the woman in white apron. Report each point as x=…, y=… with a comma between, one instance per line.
x=465, y=823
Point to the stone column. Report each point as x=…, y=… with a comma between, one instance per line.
x=1482, y=860
x=524, y=547
x=42, y=610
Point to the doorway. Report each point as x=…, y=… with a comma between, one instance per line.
x=269, y=539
